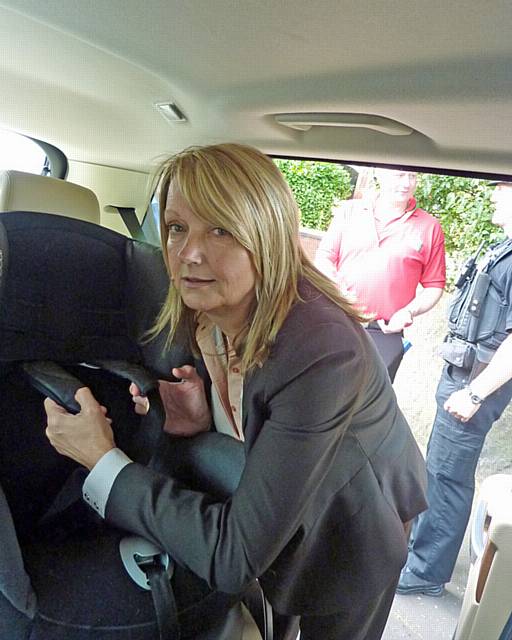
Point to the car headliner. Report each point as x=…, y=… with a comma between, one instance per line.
x=85, y=76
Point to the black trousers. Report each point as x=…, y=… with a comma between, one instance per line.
x=453, y=452
x=390, y=347
x=364, y=624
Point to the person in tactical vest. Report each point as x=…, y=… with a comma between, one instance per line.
x=474, y=390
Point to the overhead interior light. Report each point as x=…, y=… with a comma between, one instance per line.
x=305, y=121
x=171, y=111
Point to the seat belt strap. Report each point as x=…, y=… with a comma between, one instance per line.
x=260, y=609
x=162, y=593
x=132, y=223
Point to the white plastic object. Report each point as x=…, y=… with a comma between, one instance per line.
x=487, y=605
x=132, y=546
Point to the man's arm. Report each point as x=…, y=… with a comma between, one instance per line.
x=433, y=279
x=404, y=317
x=425, y=300
x=328, y=252
x=495, y=375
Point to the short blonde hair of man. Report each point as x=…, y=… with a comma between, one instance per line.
x=240, y=189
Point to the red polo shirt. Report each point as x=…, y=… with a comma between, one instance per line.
x=381, y=263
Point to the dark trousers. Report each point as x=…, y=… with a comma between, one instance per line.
x=363, y=624
x=452, y=455
x=390, y=347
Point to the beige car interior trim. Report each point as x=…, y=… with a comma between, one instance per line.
x=304, y=122
x=114, y=188
x=20, y=191
x=486, y=608
x=442, y=71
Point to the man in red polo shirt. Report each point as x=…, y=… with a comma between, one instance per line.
x=378, y=250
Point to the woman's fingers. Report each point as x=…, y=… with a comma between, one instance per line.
x=141, y=409
x=86, y=400
x=134, y=389
x=141, y=402
x=141, y=405
x=187, y=372
x=104, y=411
x=52, y=407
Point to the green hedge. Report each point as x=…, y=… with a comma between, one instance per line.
x=463, y=207
x=317, y=187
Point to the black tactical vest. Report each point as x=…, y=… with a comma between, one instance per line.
x=478, y=310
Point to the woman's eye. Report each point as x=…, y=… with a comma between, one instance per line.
x=174, y=227
x=219, y=231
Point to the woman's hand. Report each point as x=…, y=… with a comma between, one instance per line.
x=187, y=411
x=84, y=437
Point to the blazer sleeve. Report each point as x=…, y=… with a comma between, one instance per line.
x=307, y=401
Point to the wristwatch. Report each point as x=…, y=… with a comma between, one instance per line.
x=473, y=397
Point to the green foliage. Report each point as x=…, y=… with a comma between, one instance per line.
x=464, y=209
x=317, y=187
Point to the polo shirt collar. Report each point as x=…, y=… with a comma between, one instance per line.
x=410, y=210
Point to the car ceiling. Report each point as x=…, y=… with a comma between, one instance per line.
x=85, y=76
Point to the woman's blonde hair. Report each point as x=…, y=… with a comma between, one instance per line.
x=240, y=189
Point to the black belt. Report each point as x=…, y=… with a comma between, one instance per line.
x=374, y=326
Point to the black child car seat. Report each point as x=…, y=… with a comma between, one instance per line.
x=75, y=303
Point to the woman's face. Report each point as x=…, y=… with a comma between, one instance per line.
x=211, y=270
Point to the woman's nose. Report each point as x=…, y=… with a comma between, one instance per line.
x=191, y=251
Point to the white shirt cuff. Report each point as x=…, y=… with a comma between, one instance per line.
x=99, y=482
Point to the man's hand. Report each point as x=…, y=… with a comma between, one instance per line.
x=460, y=406
x=403, y=318
x=185, y=403
x=398, y=321
x=84, y=437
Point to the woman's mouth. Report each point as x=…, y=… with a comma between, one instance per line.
x=194, y=283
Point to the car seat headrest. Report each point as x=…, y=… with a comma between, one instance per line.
x=21, y=191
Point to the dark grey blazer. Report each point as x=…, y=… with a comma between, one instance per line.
x=332, y=473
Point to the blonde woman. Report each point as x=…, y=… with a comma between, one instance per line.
x=332, y=470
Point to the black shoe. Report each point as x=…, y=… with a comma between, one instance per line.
x=410, y=584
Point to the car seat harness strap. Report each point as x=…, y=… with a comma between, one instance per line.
x=151, y=569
